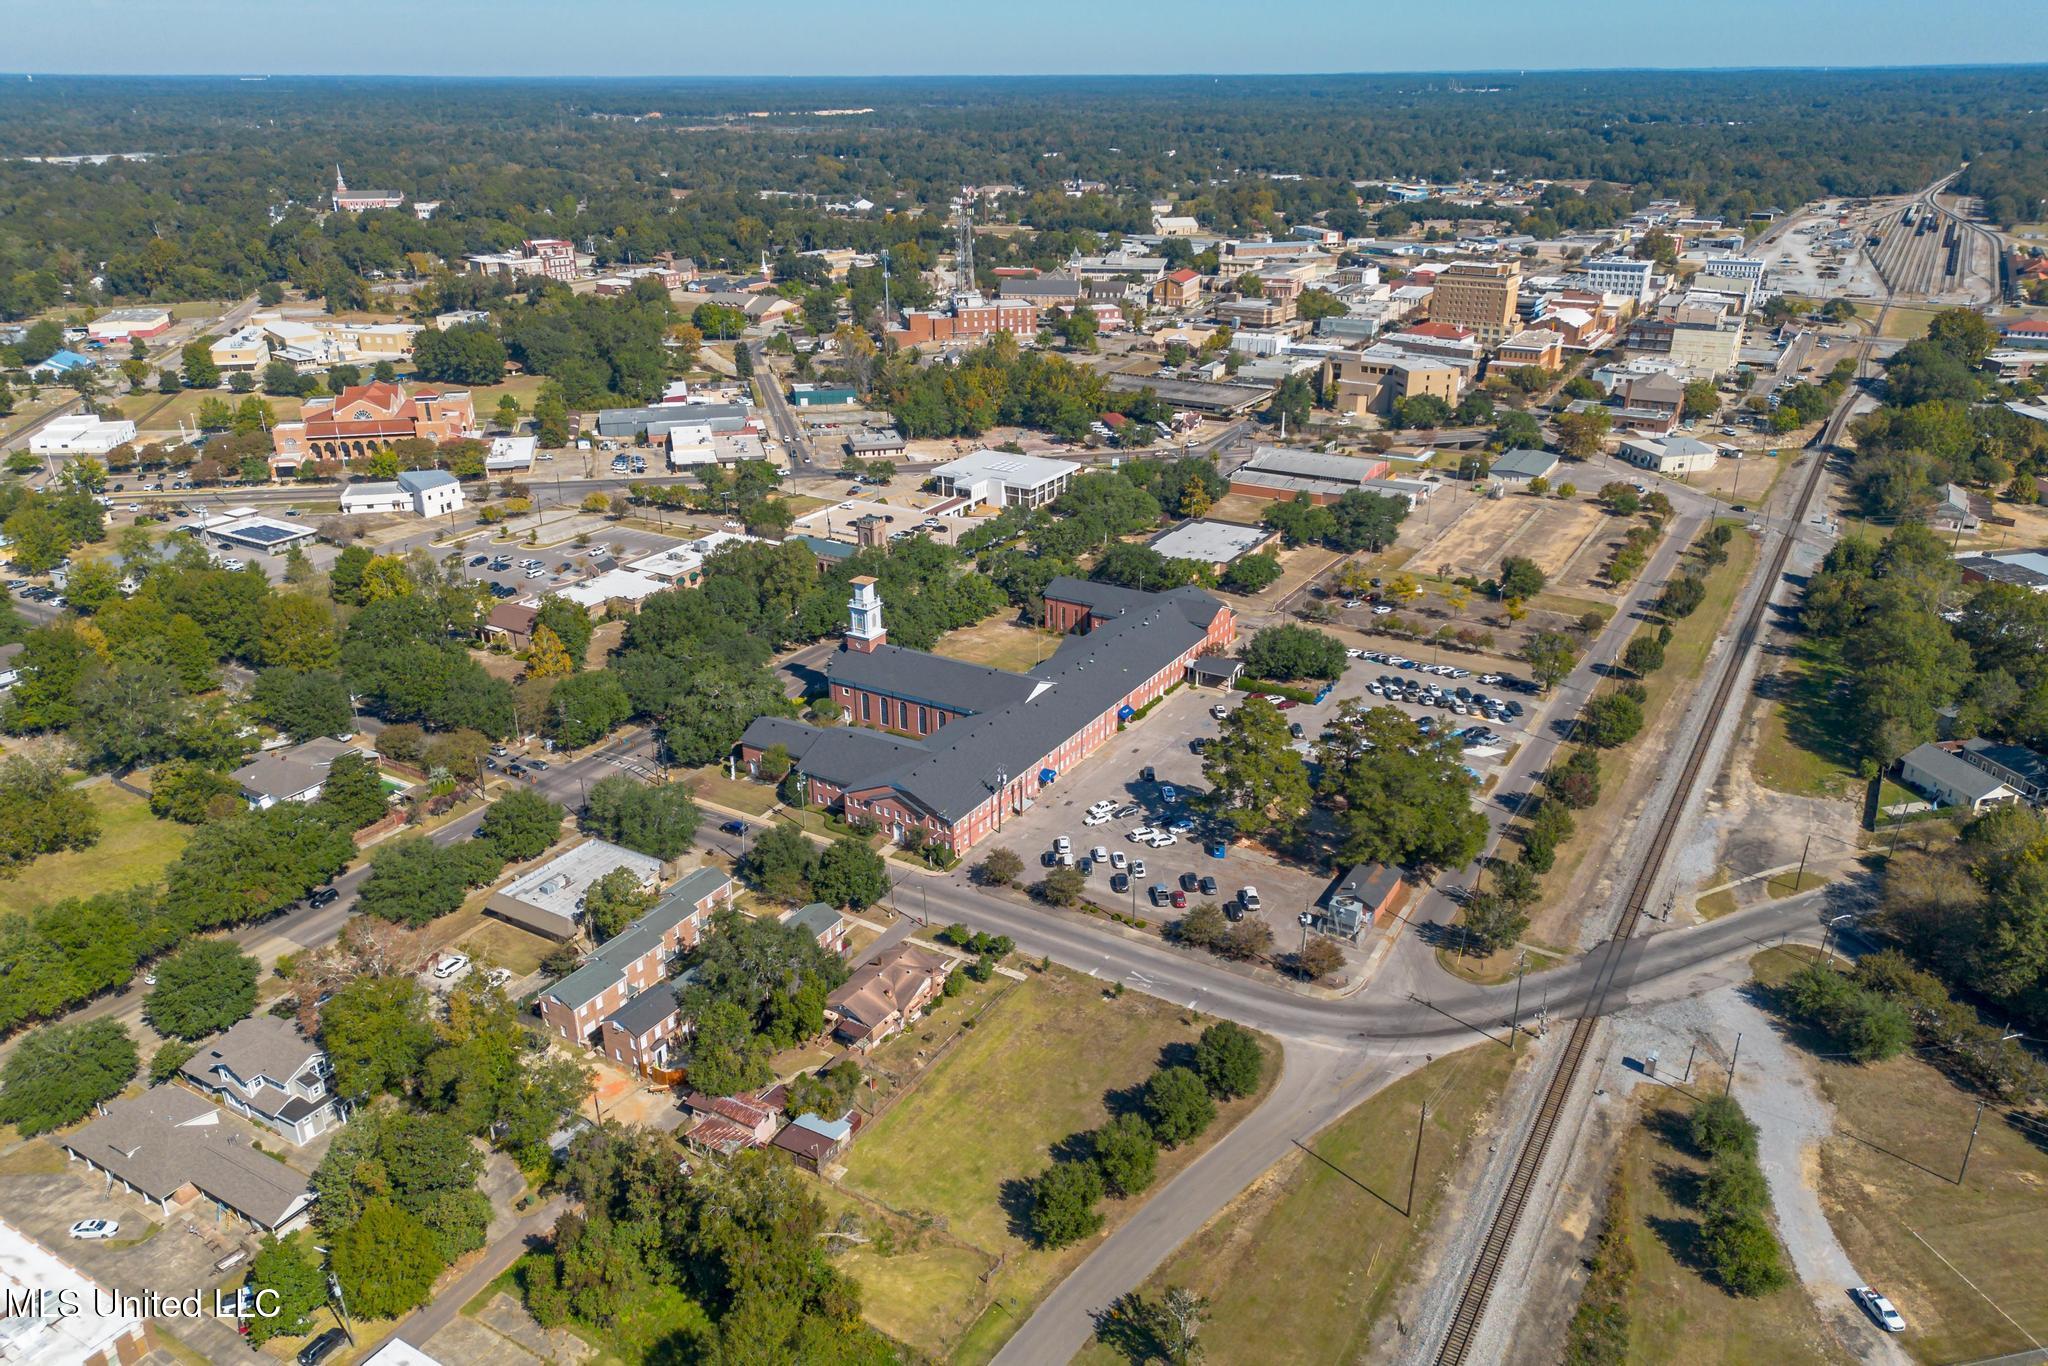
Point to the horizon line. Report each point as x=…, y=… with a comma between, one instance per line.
x=246, y=75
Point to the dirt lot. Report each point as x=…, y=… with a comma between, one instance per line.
x=1549, y=531
x=999, y=643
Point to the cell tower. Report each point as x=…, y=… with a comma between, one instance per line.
x=966, y=248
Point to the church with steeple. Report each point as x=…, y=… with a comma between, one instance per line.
x=355, y=201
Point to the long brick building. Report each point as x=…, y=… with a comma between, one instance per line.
x=365, y=418
x=949, y=749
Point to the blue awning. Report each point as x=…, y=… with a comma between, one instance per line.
x=1046, y=775
x=1126, y=713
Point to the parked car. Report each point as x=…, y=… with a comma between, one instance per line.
x=1137, y=867
x=451, y=964
x=1063, y=845
x=1219, y=711
x=1179, y=900
x=1874, y=1304
x=497, y=977
x=1208, y=886
x=1248, y=897
x=94, y=1229
x=1120, y=882
x=1158, y=893
x=322, y=1347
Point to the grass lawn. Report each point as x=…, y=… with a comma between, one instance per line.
x=1955, y=1259
x=1909, y=323
x=1802, y=734
x=1676, y=1314
x=496, y=943
x=1048, y=1060
x=999, y=643
x=1302, y=1266
x=741, y=794
x=134, y=847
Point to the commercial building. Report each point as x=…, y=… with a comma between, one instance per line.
x=258, y=534
x=424, y=493
x=366, y=418
x=971, y=318
x=174, y=1148
x=1623, y=275
x=58, y=1315
x=1003, y=479
x=1282, y=472
x=1672, y=456
x=1177, y=289
x=81, y=434
x=1216, y=544
x=247, y=348
x=128, y=325
x=265, y=1070
x=821, y=396
x=2026, y=568
x=1538, y=346
x=1521, y=466
x=1372, y=381
x=653, y=423
x=1479, y=296
x=546, y=258
x=549, y=899
x=1706, y=340
x=507, y=453
x=949, y=750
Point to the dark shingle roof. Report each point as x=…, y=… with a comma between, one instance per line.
x=646, y=1010
x=954, y=769
x=953, y=684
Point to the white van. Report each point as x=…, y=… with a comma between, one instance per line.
x=534, y=571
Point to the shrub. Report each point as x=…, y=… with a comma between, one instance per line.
x=1229, y=1060
x=1127, y=1154
x=1063, y=1201
x=1178, y=1105
x=1718, y=1125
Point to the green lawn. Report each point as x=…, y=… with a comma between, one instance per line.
x=1302, y=1266
x=952, y=1157
x=1675, y=1313
x=741, y=794
x=1908, y=323
x=1802, y=735
x=134, y=847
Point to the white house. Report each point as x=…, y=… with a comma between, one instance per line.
x=81, y=434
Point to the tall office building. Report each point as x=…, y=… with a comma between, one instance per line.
x=1480, y=297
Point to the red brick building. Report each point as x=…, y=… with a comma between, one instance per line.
x=968, y=321
x=364, y=419
x=948, y=749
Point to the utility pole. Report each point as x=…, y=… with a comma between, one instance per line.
x=1515, y=1033
x=1729, y=1085
x=1415, y=1163
x=1972, y=1145
x=1800, y=876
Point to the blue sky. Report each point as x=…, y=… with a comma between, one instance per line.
x=918, y=37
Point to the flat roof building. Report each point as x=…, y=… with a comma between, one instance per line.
x=1005, y=479
x=549, y=899
x=1519, y=467
x=1216, y=544
x=59, y=1315
x=1281, y=472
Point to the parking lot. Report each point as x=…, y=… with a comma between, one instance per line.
x=1162, y=743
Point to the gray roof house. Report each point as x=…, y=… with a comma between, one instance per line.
x=2018, y=767
x=267, y=1071
x=294, y=774
x=171, y=1146
x=1943, y=776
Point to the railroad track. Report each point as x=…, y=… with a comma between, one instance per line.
x=1529, y=1162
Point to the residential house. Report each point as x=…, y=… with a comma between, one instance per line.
x=887, y=994
x=267, y=1071
x=2018, y=767
x=822, y=921
x=729, y=1124
x=813, y=1142
x=172, y=1147
x=1943, y=776
x=294, y=774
